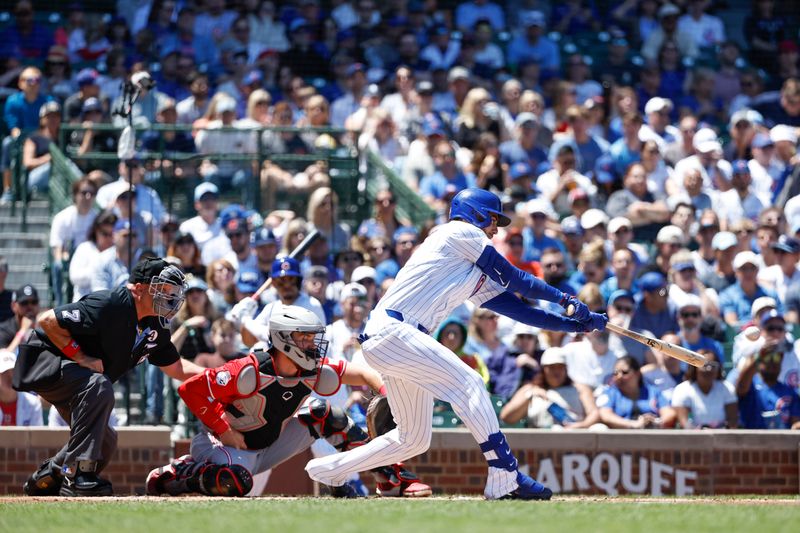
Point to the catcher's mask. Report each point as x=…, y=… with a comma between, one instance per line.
x=167, y=289
x=289, y=319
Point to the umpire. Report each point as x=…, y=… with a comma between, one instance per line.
x=79, y=350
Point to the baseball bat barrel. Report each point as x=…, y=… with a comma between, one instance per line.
x=299, y=250
x=672, y=350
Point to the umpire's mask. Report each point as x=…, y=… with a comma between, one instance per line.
x=168, y=289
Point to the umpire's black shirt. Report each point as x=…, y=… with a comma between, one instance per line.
x=105, y=326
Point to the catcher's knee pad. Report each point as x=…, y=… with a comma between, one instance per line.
x=225, y=480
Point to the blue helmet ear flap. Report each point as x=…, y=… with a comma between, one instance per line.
x=476, y=206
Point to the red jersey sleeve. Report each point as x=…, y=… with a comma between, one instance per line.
x=208, y=394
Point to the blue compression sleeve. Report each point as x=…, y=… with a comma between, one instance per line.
x=509, y=305
x=513, y=279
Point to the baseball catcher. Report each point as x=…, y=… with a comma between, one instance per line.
x=256, y=416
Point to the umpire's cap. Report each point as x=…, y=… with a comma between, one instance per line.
x=146, y=269
x=285, y=266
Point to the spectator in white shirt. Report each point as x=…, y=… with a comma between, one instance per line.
x=69, y=229
x=205, y=226
x=778, y=278
x=739, y=201
x=707, y=30
x=16, y=408
x=100, y=237
x=706, y=400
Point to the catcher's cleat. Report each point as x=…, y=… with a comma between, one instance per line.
x=395, y=481
x=528, y=489
x=163, y=480
x=46, y=481
x=157, y=478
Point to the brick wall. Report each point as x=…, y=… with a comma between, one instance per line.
x=585, y=462
x=139, y=450
x=626, y=462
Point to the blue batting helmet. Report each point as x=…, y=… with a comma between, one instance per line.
x=285, y=266
x=476, y=206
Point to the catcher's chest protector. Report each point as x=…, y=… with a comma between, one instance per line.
x=261, y=416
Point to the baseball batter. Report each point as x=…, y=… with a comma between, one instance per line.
x=457, y=262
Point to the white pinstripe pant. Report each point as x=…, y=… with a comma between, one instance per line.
x=416, y=369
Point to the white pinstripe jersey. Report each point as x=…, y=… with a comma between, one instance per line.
x=441, y=275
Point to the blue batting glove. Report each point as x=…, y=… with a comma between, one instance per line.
x=581, y=313
x=596, y=321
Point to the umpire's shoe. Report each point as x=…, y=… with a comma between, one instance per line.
x=85, y=482
x=528, y=489
x=46, y=481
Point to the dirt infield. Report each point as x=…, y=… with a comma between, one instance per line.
x=715, y=500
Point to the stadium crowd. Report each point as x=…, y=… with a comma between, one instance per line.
x=646, y=155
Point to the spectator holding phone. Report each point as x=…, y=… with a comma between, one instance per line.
x=631, y=404
x=765, y=402
x=553, y=399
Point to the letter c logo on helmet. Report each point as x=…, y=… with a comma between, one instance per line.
x=477, y=206
x=285, y=266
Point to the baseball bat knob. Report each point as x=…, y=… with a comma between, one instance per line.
x=570, y=310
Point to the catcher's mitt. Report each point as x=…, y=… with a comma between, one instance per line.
x=379, y=416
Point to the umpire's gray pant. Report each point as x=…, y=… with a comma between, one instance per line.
x=84, y=399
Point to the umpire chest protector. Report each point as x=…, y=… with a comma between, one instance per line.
x=105, y=326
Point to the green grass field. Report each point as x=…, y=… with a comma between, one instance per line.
x=324, y=515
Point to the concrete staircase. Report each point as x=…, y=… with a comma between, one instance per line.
x=26, y=249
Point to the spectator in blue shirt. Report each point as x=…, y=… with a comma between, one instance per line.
x=469, y=13
x=184, y=39
x=21, y=115
x=524, y=148
x=532, y=45
x=765, y=402
x=653, y=312
x=689, y=321
x=629, y=403
x=736, y=301
x=440, y=187
x=627, y=149
x=25, y=40
x=623, y=265
x=405, y=240
x=588, y=147
x=534, y=238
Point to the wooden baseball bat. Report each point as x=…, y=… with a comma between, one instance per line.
x=672, y=350
x=298, y=251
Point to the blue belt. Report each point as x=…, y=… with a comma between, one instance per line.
x=397, y=315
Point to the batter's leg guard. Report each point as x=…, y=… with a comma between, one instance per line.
x=332, y=424
x=46, y=481
x=528, y=488
x=503, y=457
x=184, y=475
x=395, y=481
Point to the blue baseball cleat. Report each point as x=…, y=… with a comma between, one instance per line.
x=529, y=489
